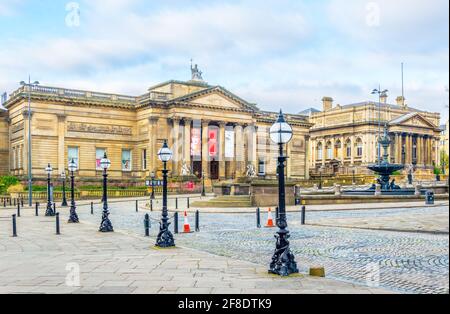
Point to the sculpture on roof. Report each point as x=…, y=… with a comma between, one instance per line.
x=196, y=73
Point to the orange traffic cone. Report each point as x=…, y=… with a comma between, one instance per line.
x=270, y=223
x=187, y=226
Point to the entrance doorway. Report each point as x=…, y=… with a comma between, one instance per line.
x=197, y=169
x=214, y=168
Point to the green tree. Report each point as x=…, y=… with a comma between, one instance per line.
x=6, y=182
x=444, y=160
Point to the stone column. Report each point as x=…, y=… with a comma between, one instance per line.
x=187, y=142
x=176, y=147
x=240, y=158
x=205, y=153
x=419, y=150
x=343, y=150
x=398, y=148
x=425, y=151
x=222, y=174
x=152, y=157
x=61, y=143
x=408, y=149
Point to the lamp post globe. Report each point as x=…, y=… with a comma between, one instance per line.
x=106, y=225
x=63, y=179
x=49, y=211
x=283, y=261
x=73, y=213
x=165, y=237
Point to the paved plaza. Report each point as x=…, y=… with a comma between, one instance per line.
x=231, y=253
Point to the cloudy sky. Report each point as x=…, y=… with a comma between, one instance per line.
x=276, y=53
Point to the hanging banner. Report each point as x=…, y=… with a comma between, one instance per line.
x=212, y=143
x=196, y=142
x=229, y=144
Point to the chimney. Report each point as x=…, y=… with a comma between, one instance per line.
x=401, y=101
x=327, y=103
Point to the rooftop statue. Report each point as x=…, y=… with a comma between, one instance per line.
x=196, y=73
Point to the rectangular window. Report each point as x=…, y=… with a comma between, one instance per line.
x=144, y=159
x=126, y=160
x=262, y=168
x=99, y=154
x=72, y=153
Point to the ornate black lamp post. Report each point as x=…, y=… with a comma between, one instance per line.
x=153, y=186
x=73, y=209
x=63, y=179
x=203, y=184
x=165, y=237
x=283, y=261
x=106, y=225
x=49, y=212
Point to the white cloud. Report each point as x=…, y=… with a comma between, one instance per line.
x=8, y=7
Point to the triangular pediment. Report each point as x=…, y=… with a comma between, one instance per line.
x=217, y=97
x=413, y=119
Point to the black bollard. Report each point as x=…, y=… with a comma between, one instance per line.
x=58, y=231
x=197, y=221
x=188, y=203
x=147, y=225
x=175, y=223
x=176, y=203
x=14, y=202
x=14, y=226
x=21, y=202
x=303, y=215
x=4, y=202
x=92, y=208
x=151, y=205
x=37, y=209
x=54, y=207
x=258, y=218
x=18, y=209
x=137, y=206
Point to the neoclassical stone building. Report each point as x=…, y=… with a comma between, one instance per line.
x=209, y=129
x=344, y=138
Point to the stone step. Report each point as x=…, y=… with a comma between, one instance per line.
x=225, y=202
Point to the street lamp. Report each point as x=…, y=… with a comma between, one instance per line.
x=283, y=261
x=203, y=183
x=165, y=238
x=30, y=175
x=73, y=213
x=63, y=179
x=106, y=225
x=49, y=212
x=153, y=185
x=380, y=93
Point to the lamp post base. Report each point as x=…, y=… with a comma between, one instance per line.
x=106, y=225
x=73, y=219
x=165, y=238
x=283, y=260
x=50, y=212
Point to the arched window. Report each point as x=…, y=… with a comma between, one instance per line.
x=348, y=149
x=329, y=151
x=337, y=148
x=319, y=151
x=359, y=147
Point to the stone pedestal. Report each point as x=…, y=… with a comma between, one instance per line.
x=418, y=190
x=337, y=190
x=378, y=190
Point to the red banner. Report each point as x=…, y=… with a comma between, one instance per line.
x=213, y=149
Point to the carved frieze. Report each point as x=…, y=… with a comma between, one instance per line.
x=17, y=127
x=99, y=128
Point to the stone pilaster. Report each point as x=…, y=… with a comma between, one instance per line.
x=176, y=146
x=152, y=157
x=25, y=153
x=61, y=143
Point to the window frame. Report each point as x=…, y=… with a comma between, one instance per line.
x=130, y=160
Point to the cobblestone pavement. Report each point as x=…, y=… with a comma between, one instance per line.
x=407, y=261
x=38, y=261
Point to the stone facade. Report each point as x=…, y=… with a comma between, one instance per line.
x=345, y=138
x=209, y=129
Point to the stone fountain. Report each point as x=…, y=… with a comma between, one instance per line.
x=384, y=168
